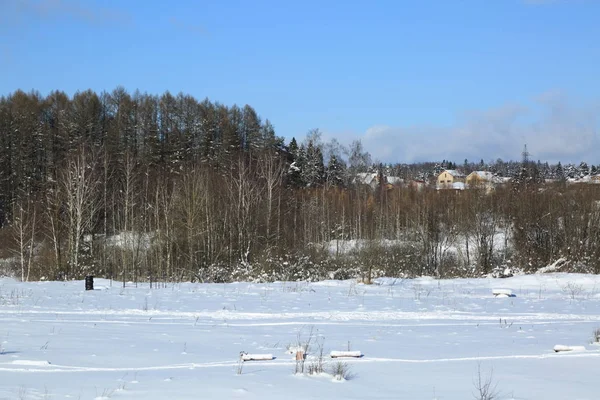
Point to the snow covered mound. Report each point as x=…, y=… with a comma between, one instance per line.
x=32, y=363
x=502, y=293
x=554, y=267
x=345, y=354
x=256, y=357
x=559, y=347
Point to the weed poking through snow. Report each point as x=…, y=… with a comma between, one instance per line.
x=341, y=371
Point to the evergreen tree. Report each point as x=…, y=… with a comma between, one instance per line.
x=559, y=173
x=570, y=171
x=250, y=130
x=293, y=147
x=294, y=172
x=268, y=137
x=336, y=171
x=313, y=173
x=583, y=169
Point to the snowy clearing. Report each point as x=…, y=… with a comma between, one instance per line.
x=419, y=339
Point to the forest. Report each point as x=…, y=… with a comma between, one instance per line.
x=145, y=188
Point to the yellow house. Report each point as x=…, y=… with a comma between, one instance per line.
x=450, y=179
x=481, y=179
x=595, y=178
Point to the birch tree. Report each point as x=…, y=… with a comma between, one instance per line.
x=24, y=229
x=81, y=205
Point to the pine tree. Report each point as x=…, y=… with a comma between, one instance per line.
x=570, y=171
x=268, y=137
x=336, y=171
x=583, y=169
x=294, y=175
x=313, y=173
x=293, y=147
x=559, y=173
x=250, y=130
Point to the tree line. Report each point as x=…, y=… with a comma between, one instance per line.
x=139, y=187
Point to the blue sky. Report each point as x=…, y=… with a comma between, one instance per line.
x=414, y=80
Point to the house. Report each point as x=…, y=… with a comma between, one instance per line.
x=367, y=178
x=417, y=184
x=453, y=186
x=395, y=180
x=595, y=179
x=482, y=179
x=448, y=178
x=371, y=179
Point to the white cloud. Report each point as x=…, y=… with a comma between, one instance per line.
x=553, y=127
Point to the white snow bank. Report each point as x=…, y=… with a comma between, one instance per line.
x=502, y=292
x=555, y=266
x=345, y=246
x=256, y=357
x=295, y=349
x=34, y=363
x=131, y=240
x=338, y=354
x=561, y=347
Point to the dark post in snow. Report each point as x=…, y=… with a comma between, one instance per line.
x=89, y=282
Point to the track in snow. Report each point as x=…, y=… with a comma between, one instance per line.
x=40, y=366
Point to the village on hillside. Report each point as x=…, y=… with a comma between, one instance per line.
x=453, y=179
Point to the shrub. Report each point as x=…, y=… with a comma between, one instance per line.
x=341, y=371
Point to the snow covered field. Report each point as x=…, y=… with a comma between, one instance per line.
x=421, y=339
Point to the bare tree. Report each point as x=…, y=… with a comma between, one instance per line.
x=244, y=195
x=163, y=222
x=79, y=184
x=129, y=210
x=435, y=231
x=271, y=170
x=485, y=387
x=191, y=197
x=24, y=229
x=55, y=226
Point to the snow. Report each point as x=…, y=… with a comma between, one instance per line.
x=485, y=175
x=561, y=347
x=554, y=267
x=452, y=186
x=502, y=292
x=130, y=240
x=394, y=180
x=366, y=178
x=489, y=177
x=36, y=363
x=454, y=173
x=339, y=246
x=256, y=357
x=458, y=246
x=183, y=341
x=343, y=354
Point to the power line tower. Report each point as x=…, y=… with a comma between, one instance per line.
x=525, y=154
